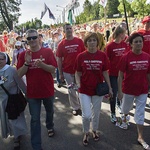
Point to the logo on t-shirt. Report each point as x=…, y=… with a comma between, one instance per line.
x=139, y=65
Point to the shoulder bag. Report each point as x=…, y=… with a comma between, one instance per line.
x=15, y=105
x=101, y=88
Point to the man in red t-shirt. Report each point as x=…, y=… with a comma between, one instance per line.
x=146, y=34
x=67, y=51
x=38, y=64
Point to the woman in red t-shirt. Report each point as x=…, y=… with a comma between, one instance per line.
x=133, y=79
x=91, y=66
x=114, y=51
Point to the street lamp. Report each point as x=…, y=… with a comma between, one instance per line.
x=63, y=13
x=60, y=15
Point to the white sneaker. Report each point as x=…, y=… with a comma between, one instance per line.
x=124, y=125
x=119, y=108
x=113, y=118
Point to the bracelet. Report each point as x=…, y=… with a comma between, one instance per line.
x=26, y=65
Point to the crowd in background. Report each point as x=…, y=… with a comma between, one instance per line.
x=86, y=55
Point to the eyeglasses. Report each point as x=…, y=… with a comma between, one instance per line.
x=31, y=37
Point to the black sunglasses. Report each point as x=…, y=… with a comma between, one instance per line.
x=31, y=37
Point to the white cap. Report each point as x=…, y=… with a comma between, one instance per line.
x=18, y=43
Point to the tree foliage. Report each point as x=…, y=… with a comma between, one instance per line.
x=112, y=7
x=9, y=12
x=140, y=7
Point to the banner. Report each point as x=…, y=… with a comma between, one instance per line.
x=44, y=12
x=51, y=16
x=70, y=20
x=103, y=3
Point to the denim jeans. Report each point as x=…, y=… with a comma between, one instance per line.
x=57, y=76
x=114, y=85
x=35, y=111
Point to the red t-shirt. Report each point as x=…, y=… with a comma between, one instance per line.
x=135, y=69
x=115, y=51
x=40, y=83
x=5, y=37
x=2, y=47
x=69, y=49
x=146, y=44
x=91, y=65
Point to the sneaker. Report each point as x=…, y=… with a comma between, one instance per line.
x=77, y=112
x=59, y=85
x=119, y=108
x=124, y=125
x=128, y=119
x=113, y=118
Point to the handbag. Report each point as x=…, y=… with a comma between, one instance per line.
x=15, y=105
x=102, y=89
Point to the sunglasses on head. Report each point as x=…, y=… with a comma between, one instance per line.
x=31, y=37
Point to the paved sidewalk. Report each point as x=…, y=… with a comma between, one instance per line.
x=69, y=130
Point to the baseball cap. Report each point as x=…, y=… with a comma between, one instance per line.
x=18, y=43
x=146, y=19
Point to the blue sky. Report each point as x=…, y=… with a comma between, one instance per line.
x=32, y=9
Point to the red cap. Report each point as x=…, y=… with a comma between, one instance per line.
x=146, y=19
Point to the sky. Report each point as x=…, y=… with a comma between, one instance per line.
x=33, y=8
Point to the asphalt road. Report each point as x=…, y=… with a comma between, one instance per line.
x=69, y=130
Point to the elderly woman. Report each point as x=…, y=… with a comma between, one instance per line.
x=91, y=68
x=133, y=79
x=18, y=49
x=10, y=80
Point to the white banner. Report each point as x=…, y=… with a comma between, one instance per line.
x=103, y=3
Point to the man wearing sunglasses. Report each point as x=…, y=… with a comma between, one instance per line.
x=38, y=64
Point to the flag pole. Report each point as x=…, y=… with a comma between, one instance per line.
x=125, y=13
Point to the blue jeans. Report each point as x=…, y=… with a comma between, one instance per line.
x=114, y=85
x=35, y=111
x=57, y=76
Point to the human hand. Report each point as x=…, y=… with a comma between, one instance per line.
x=61, y=77
x=110, y=92
x=28, y=57
x=38, y=63
x=120, y=95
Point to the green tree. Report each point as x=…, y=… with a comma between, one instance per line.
x=95, y=11
x=127, y=3
x=9, y=12
x=141, y=7
x=112, y=7
x=87, y=7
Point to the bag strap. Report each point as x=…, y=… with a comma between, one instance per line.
x=4, y=89
x=93, y=70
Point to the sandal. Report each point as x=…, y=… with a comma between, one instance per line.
x=144, y=145
x=85, y=139
x=51, y=132
x=95, y=136
x=17, y=145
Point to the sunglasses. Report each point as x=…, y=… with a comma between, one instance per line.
x=31, y=37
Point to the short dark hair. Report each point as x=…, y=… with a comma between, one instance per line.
x=133, y=36
x=64, y=26
x=31, y=31
x=40, y=35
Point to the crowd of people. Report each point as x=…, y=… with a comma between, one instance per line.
x=81, y=56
